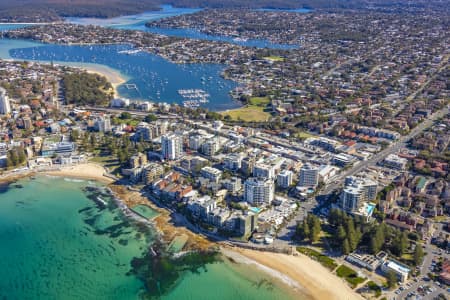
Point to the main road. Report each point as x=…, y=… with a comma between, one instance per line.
x=392, y=148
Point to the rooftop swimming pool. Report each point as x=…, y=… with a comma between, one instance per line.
x=255, y=209
x=370, y=208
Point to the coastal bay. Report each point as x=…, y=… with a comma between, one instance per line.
x=73, y=247
x=62, y=245
x=300, y=272
x=137, y=76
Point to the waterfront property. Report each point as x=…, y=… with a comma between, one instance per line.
x=400, y=270
x=137, y=22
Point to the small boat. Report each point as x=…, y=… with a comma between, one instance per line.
x=239, y=39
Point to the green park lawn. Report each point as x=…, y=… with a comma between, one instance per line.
x=250, y=113
x=349, y=275
x=259, y=101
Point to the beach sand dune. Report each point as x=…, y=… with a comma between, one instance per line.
x=83, y=171
x=299, y=272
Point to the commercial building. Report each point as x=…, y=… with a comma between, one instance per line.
x=171, y=146
x=309, y=176
x=326, y=172
x=59, y=148
x=394, y=161
x=5, y=106
x=285, y=178
x=367, y=261
x=343, y=160
x=399, y=269
x=324, y=143
x=258, y=191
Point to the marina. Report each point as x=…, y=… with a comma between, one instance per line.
x=194, y=97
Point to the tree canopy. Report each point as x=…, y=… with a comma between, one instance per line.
x=86, y=89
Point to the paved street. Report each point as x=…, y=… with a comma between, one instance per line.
x=392, y=148
x=432, y=253
x=285, y=234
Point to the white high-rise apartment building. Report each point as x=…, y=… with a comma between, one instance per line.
x=5, y=107
x=284, y=179
x=356, y=192
x=309, y=176
x=259, y=191
x=171, y=146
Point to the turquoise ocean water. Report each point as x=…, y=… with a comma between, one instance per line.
x=59, y=242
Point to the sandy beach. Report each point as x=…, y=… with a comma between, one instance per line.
x=302, y=274
x=299, y=272
x=113, y=76
x=83, y=171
